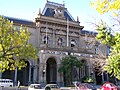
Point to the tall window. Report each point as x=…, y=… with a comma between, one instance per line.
x=83, y=71
x=73, y=43
x=45, y=41
x=108, y=50
x=96, y=49
x=60, y=40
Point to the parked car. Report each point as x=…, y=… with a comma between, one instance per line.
x=52, y=87
x=109, y=86
x=86, y=86
x=35, y=87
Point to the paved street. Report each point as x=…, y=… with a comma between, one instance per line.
x=25, y=88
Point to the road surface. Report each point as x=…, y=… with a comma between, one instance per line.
x=13, y=88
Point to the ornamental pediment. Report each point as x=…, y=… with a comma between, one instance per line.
x=74, y=34
x=59, y=13
x=61, y=32
x=46, y=30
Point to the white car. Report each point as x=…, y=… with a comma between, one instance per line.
x=35, y=87
x=52, y=87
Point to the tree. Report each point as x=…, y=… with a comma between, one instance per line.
x=112, y=65
x=103, y=6
x=14, y=47
x=69, y=65
x=105, y=35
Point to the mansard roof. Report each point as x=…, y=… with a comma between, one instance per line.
x=19, y=21
x=50, y=7
x=88, y=32
x=28, y=22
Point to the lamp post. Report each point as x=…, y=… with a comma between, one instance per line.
x=43, y=71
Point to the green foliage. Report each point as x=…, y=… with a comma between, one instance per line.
x=14, y=50
x=112, y=65
x=103, y=6
x=68, y=63
x=88, y=79
x=104, y=34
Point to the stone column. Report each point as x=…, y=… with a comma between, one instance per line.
x=41, y=58
x=102, y=76
x=40, y=37
x=30, y=75
x=0, y=75
x=15, y=79
x=79, y=41
x=40, y=73
x=35, y=73
x=42, y=70
x=59, y=76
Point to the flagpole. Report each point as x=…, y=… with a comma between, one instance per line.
x=67, y=32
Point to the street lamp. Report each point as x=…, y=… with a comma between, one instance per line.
x=43, y=71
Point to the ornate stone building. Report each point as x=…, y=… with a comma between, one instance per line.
x=56, y=34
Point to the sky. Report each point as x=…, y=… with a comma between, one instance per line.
x=28, y=9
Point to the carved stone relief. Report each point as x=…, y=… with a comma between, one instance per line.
x=61, y=32
x=59, y=12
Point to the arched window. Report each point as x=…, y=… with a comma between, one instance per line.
x=60, y=40
x=108, y=50
x=73, y=43
x=45, y=41
x=83, y=71
x=96, y=49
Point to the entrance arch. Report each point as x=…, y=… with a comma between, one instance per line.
x=51, y=71
x=22, y=75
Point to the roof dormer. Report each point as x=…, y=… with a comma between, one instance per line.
x=56, y=10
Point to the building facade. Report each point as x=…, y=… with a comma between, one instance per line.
x=56, y=34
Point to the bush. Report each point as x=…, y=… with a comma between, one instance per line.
x=87, y=79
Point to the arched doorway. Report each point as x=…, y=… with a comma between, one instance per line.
x=98, y=77
x=22, y=75
x=8, y=74
x=51, y=71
